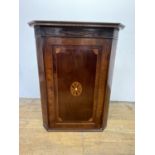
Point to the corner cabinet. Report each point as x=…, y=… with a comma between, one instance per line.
x=75, y=63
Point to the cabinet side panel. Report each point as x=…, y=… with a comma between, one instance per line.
x=111, y=45
x=42, y=81
x=50, y=84
x=103, y=75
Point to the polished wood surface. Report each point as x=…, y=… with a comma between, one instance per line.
x=84, y=61
x=71, y=53
x=75, y=61
x=117, y=138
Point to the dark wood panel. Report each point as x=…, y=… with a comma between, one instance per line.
x=81, y=60
x=42, y=79
x=75, y=65
x=111, y=46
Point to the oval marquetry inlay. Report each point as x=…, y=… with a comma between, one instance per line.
x=76, y=88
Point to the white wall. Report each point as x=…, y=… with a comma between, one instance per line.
x=79, y=10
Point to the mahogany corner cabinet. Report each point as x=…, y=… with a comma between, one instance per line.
x=75, y=63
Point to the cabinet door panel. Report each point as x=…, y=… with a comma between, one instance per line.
x=72, y=69
x=76, y=70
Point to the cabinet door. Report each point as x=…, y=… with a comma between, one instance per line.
x=76, y=73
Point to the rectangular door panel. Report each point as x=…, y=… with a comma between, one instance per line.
x=73, y=83
x=76, y=70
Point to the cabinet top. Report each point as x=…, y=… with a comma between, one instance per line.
x=76, y=24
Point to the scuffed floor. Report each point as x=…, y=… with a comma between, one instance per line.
x=117, y=138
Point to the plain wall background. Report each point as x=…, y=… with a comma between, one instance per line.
x=78, y=10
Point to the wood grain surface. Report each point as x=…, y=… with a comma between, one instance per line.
x=85, y=61
x=116, y=139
